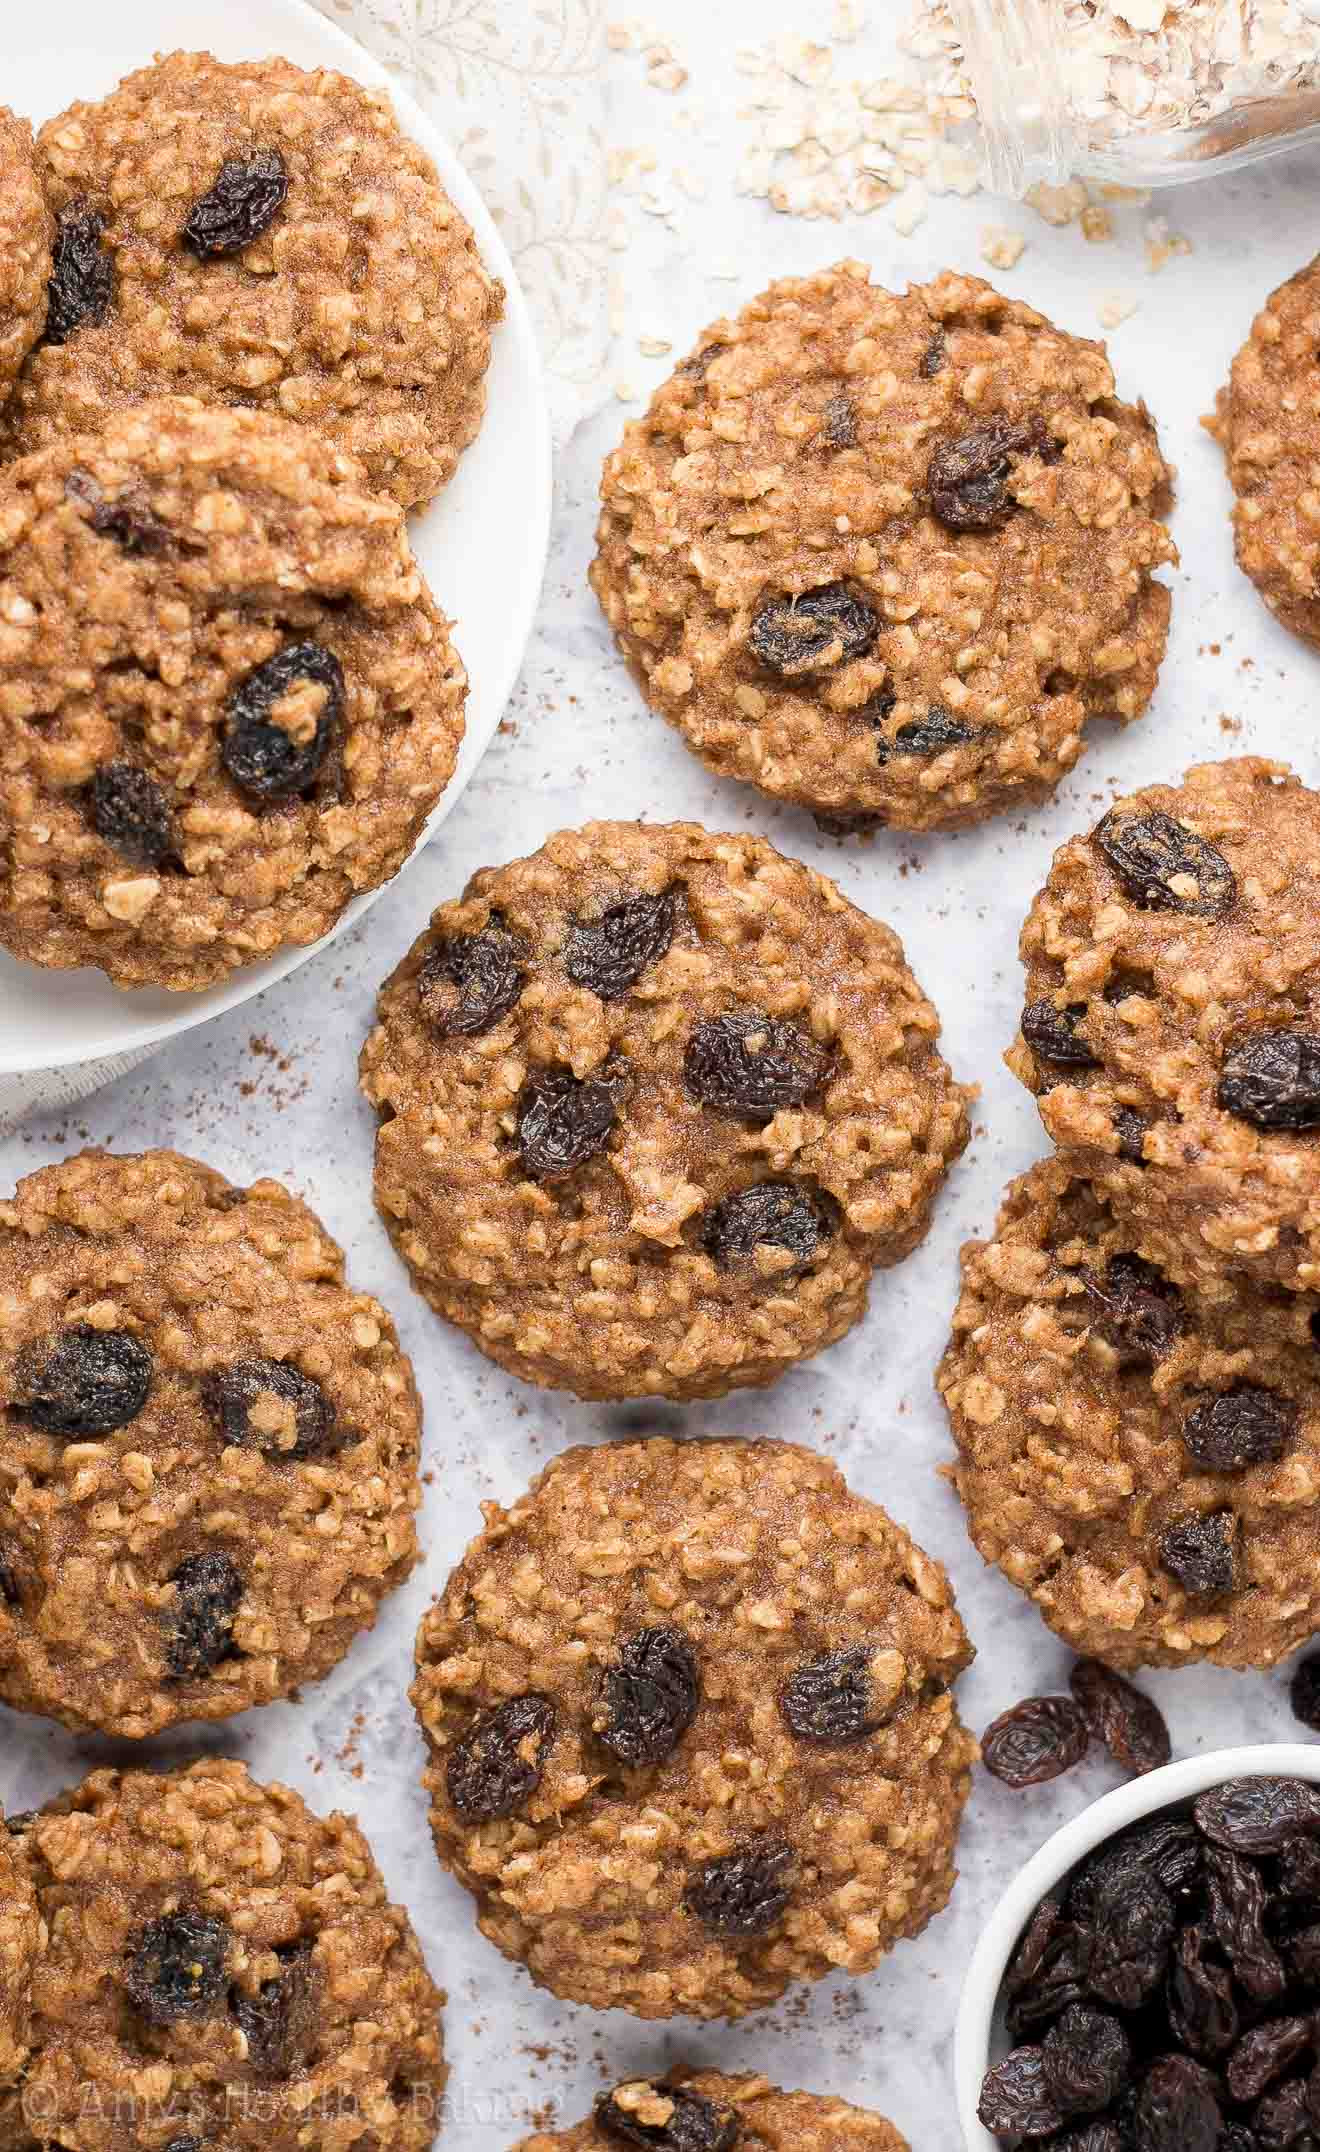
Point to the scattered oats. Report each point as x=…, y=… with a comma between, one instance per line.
x=666, y=75
x=620, y=36
x=1001, y=247
x=750, y=60
x=1058, y=205
x=810, y=160
x=953, y=171
x=626, y=392
x=1111, y=193
x=911, y=212
x=849, y=18
x=1097, y=224
x=890, y=95
x=1115, y=308
x=806, y=63
x=653, y=347
x=866, y=194
x=1162, y=245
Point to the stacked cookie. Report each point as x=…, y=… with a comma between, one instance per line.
x=1132, y=1375
x=242, y=331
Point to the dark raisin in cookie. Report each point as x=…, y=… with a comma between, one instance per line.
x=705, y=2111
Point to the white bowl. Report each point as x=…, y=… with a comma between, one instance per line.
x=482, y=545
x=974, y=2043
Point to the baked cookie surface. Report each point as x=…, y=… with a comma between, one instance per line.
x=655, y=1103
x=261, y=236
x=21, y=1942
x=228, y=699
x=705, y=2111
x=1268, y=423
x=1171, y=1030
x=25, y=240
x=1142, y=1460
x=692, y=1730
x=224, y=1968
x=885, y=556
x=208, y=1451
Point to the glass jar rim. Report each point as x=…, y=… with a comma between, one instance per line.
x=1018, y=76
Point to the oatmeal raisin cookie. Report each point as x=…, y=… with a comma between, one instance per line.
x=707, y=2112
x=25, y=237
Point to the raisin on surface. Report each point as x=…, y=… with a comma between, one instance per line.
x=751, y=1066
x=1203, y=2014
x=829, y=1701
x=935, y=357
x=176, y=1967
x=1304, y=1692
x=469, y=981
x=695, y=2124
x=1130, y=1725
x=1016, y=2100
x=790, y=636
x=608, y=955
x=82, y=1381
x=1200, y=1553
x=744, y=1893
x=562, y=1121
x=1264, y=2053
x=1166, y=867
x=500, y=1761
x=1237, y=1902
x=1177, y=2108
x=200, y=1623
x=773, y=1214
x=234, y=1397
x=266, y=762
x=129, y=810
x=1238, y=1429
x=1087, y=2060
x=840, y=422
x=928, y=735
x=1036, y=1740
x=651, y=1696
x=279, y=2022
x=1273, y=1080
x=1258, y=1815
x=1133, y=1933
x=1130, y=1130
x=1052, y=1035
x=184, y=2144
x=128, y=517
x=968, y=478
x=1136, y=1308
x=248, y=195
x=82, y=282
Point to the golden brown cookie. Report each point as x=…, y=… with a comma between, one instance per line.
x=886, y=556
x=655, y=1103
x=208, y=1445
x=224, y=1969
x=1268, y=424
x=704, y=2111
x=1143, y=1460
x=260, y=236
x=227, y=699
x=1171, y=1030
x=25, y=237
x=692, y=1730
x=22, y=1939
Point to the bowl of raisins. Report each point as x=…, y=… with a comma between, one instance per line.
x=1151, y=1981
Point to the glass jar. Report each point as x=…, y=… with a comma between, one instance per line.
x=1071, y=89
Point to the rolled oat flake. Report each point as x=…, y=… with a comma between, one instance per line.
x=1139, y=93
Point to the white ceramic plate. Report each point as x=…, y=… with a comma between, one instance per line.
x=482, y=544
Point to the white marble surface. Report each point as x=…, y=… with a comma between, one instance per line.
x=577, y=741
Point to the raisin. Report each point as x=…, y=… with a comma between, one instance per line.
x=265, y=761
x=176, y=1967
x=1027, y=1961
x=1138, y=1310
x=1200, y=1554
x=840, y=422
x=500, y=1761
x=1130, y=1131
x=1177, y=2109
x=247, y=197
x=1153, y=855
x=651, y=1697
x=829, y=1700
x=935, y=356
x=469, y=981
x=1130, y=1725
x=1236, y=1901
x=1169, y=1850
x=235, y=1397
x=1263, y=2054
x=279, y=2022
x=697, y=367
x=1273, y=1080
x=695, y=2124
x=790, y=636
x=1016, y=2100
x=773, y=1214
x=1258, y=1815
x=82, y=1381
x=82, y=283
x=1304, y=1956
x=1059, y=1981
x=200, y=1624
x=184, y=2144
x=1238, y=1429
x=968, y=478
x=1038, y=1739
x=1202, y=2012
x=1304, y=1692
x=1283, y=2118
x=562, y=1122
x=128, y=809
x=1087, y=2060
x=744, y=1893
x=1091, y=2137
x=1298, y=1870
x=129, y=519
x=751, y=1066
x=1133, y=1934
x=1052, y=1034
x=928, y=735
x=608, y=955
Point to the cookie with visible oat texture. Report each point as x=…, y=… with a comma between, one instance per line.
x=705, y=2111
x=26, y=231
